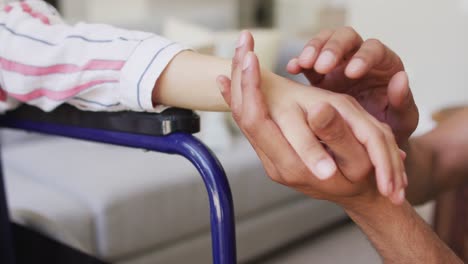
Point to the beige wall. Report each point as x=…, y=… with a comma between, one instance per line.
x=150, y=14
x=430, y=35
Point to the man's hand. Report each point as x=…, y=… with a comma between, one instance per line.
x=284, y=125
x=340, y=61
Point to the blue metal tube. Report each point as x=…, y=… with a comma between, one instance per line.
x=214, y=177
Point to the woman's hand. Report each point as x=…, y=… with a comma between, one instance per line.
x=283, y=127
x=340, y=61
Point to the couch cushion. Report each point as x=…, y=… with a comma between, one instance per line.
x=11, y=137
x=50, y=211
x=141, y=199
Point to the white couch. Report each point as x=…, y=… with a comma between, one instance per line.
x=132, y=206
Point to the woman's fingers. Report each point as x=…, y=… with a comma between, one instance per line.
x=372, y=136
x=350, y=156
x=384, y=154
x=398, y=176
x=306, y=145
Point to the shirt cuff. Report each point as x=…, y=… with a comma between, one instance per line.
x=142, y=70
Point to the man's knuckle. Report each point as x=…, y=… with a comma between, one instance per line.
x=248, y=124
x=293, y=181
x=315, y=43
x=350, y=30
x=374, y=42
x=334, y=45
x=235, y=60
x=362, y=171
x=236, y=115
x=326, y=32
x=273, y=175
x=251, y=121
x=344, y=98
x=290, y=166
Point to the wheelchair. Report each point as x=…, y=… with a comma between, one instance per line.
x=169, y=132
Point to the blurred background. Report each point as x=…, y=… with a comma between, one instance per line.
x=429, y=35
x=275, y=225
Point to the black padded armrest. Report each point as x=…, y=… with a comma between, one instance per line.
x=169, y=121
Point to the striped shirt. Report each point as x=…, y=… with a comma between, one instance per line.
x=46, y=62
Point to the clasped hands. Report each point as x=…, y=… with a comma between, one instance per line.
x=341, y=138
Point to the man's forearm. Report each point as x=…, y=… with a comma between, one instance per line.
x=399, y=234
x=437, y=161
x=419, y=168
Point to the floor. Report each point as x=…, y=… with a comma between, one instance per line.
x=344, y=244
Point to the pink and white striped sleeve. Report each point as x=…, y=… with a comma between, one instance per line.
x=45, y=62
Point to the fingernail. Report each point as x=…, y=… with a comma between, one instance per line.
x=407, y=94
x=403, y=154
x=307, y=53
x=247, y=61
x=325, y=169
x=242, y=39
x=326, y=59
x=355, y=65
x=220, y=85
x=293, y=62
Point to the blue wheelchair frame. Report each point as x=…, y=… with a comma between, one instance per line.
x=177, y=142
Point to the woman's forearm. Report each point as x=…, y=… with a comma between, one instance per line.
x=189, y=81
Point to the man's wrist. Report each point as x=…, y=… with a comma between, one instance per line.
x=366, y=206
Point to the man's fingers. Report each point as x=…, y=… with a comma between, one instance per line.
x=258, y=127
x=343, y=42
x=350, y=156
x=399, y=92
x=244, y=45
x=311, y=51
x=224, y=86
x=324, y=53
x=402, y=111
x=293, y=66
x=373, y=138
x=371, y=53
